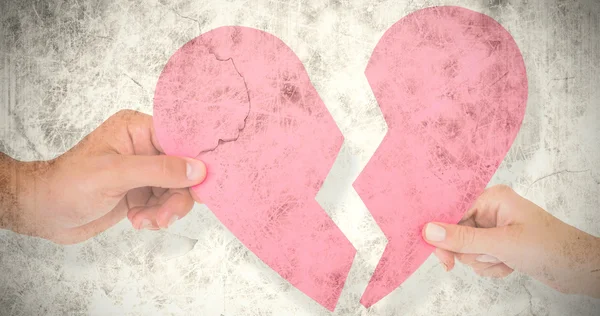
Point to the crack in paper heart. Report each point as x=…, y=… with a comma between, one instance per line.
x=221, y=141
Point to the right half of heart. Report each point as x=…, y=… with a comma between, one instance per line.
x=452, y=86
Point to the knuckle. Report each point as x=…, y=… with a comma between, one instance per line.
x=164, y=166
x=461, y=257
x=124, y=113
x=501, y=273
x=116, y=121
x=468, y=259
x=138, y=132
x=501, y=190
x=123, y=117
x=504, y=274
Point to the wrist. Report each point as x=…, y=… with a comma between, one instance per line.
x=594, y=271
x=8, y=190
x=587, y=265
x=20, y=196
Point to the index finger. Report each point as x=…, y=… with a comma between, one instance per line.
x=131, y=132
x=484, y=211
x=195, y=196
x=141, y=129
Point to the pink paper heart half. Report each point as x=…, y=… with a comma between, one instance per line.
x=240, y=100
x=452, y=86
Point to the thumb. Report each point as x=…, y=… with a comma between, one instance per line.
x=135, y=171
x=496, y=241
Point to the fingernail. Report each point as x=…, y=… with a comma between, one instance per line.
x=146, y=224
x=435, y=233
x=195, y=170
x=487, y=259
x=172, y=220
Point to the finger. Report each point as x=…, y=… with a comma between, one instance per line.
x=144, y=217
x=481, y=265
x=466, y=239
x=466, y=258
x=157, y=171
x=176, y=207
x=158, y=191
x=141, y=132
x=494, y=271
x=150, y=209
x=138, y=197
x=195, y=196
x=484, y=210
x=446, y=258
x=468, y=215
x=468, y=221
x=471, y=259
x=171, y=207
x=132, y=132
x=482, y=213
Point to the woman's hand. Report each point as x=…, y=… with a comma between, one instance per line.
x=503, y=232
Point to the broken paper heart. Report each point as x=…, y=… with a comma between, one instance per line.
x=452, y=86
x=241, y=101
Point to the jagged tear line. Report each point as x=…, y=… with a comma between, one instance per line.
x=229, y=140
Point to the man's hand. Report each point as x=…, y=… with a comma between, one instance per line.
x=118, y=170
x=503, y=232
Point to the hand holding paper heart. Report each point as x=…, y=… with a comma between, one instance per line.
x=503, y=231
x=117, y=170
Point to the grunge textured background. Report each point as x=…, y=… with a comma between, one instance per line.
x=65, y=66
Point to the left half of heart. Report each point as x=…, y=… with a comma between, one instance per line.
x=240, y=100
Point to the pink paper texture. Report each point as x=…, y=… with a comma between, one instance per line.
x=452, y=86
x=240, y=100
